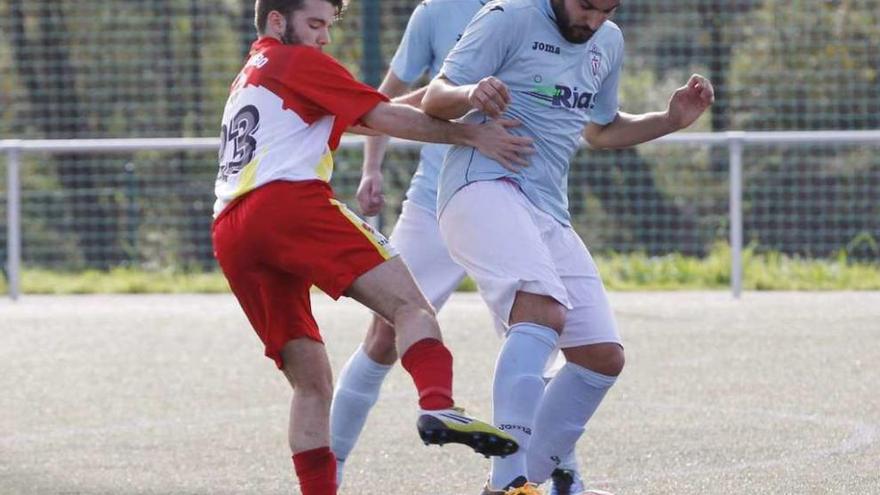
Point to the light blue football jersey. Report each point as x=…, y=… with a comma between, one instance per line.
x=556, y=88
x=433, y=29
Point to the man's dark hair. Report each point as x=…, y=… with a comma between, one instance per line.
x=285, y=8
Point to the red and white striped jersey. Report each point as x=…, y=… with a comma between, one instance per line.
x=286, y=112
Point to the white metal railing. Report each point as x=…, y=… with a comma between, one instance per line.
x=735, y=141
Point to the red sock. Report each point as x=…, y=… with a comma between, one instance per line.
x=429, y=363
x=316, y=470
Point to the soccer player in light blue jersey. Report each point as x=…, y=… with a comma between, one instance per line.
x=433, y=29
x=553, y=65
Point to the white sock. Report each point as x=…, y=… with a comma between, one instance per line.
x=569, y=461
x=570, y=400
x=340, y=467
x=517, y=391
x=357, y=390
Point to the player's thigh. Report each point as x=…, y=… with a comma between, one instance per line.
x=278, y=305
x=416, y=236
x=276, y=302
x=387, y=287
x=331, y=246
x=591, y=319
x=491, y=232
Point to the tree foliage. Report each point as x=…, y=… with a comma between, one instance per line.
x=161, y=68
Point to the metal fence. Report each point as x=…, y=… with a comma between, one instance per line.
x=146, y=217
x=156, y=68
x=95, y=69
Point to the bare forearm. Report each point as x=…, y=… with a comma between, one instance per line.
x=374, y=153
x=413, y=99
x=374, y=147
x=407, y=122
x=446, y=101
x=629, y=130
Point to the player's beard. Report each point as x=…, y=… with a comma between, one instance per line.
x=289, y=37
x=571, y=33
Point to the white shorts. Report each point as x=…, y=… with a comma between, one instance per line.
x=508, y=245
x=416, y=236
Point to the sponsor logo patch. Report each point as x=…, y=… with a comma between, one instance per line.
x=562, y=96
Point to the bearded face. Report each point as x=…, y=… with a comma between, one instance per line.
x=578, y=20
x=571, y=32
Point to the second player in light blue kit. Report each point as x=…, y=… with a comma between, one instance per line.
x=553, y=65
x=433, y=29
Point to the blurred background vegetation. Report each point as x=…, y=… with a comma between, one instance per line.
x=161, y=68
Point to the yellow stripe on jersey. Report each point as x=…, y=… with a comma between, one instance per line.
x=248, y=178
x=365, y=228
x=325, y=167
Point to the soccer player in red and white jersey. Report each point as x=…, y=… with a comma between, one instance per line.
x=278, y=229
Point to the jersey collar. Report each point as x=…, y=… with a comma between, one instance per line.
x=547, y=9
x=264, y=42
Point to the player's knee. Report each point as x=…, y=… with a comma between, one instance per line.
x=554, y=317
x=316, y=386
x=609, y=361
x=425, y=306
x=540, y=309
x=606, y=359
x=615, y=361
x=418, y=309
x=380, y=344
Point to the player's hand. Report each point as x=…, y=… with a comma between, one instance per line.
x=489, y=96
x=690, y=101
x=370, y=197
x=494, y=141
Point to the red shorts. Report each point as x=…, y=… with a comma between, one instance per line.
x=279, y=240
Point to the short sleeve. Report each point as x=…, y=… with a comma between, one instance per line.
x=484, y=46
x=606, y=102
x=414, y=54
x=324, y=83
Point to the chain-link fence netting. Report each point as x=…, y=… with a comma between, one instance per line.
x=161, y=68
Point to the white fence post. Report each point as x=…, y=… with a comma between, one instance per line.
x=13, y=226
x=735, y=147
